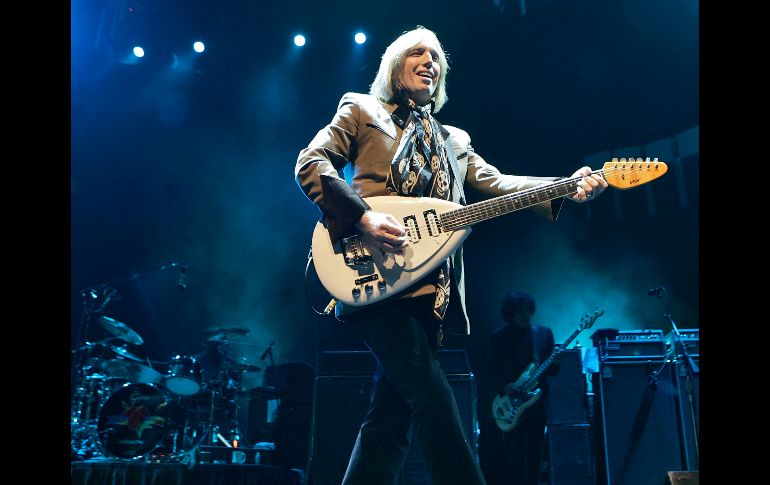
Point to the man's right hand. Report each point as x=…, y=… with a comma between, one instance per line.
x=382, y=231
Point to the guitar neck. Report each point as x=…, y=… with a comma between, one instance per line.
x=505, y=204
x=535, y=376
x=620, y=174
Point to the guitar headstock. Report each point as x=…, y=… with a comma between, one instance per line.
x=590, y=318
x=628, y=173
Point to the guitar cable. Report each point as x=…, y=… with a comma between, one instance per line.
x=332, y=303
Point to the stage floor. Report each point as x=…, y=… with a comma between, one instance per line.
x=106, y=472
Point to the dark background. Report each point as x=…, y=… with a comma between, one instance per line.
x=189, y=158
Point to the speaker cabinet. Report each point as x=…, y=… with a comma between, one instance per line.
x=566, y=403
x=340, y=406
x=640, y=429
x=570, y=455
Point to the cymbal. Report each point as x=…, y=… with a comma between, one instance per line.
x=118, y=368
x=127, y=369
x=120, y=330
x=222, y=333
x=125, y=353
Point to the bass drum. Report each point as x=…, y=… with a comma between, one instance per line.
x=133, y=421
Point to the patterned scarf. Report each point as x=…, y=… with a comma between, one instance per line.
x=420, y=169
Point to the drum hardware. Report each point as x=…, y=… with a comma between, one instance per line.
x=90, y=396
x=223, y=391
x=101, y=381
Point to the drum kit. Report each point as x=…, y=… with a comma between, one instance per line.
x=128, y=408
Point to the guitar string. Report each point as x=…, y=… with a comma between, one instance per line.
x=460, y=217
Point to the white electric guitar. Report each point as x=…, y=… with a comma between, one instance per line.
x=355, y=275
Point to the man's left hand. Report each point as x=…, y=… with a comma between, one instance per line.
x=589, y=188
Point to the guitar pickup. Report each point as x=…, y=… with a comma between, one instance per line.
x=412, y=228
x=354, y=252
x=431, y=220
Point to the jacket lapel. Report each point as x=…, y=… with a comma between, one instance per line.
x=458, y=195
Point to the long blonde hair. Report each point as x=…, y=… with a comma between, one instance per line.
x=386, y=84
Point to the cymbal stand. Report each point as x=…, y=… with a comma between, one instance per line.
x=691, y=369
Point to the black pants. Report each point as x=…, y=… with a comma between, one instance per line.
x=410, y=390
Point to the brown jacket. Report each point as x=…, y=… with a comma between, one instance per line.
x=359, y=144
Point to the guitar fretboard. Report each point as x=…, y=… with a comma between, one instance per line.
x=498, y=206
x=505, y=204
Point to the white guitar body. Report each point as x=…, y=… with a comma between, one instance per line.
x=356, y=276
x=507, y=408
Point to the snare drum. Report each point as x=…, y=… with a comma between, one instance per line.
x=133, y=421
x=183, y=376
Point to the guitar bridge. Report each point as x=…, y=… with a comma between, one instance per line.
x=354, y=252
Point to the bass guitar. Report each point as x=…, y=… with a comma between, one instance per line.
x=518, y=396
x=358, y=276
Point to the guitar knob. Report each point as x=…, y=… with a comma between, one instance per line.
x=369, y=289
x=356, y=292
x=381, y=285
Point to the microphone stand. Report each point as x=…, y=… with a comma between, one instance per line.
x=269, y=352
x=691, y=367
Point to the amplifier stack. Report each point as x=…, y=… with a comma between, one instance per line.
x=646, y=423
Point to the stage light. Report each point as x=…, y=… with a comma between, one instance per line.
x=198, y=46
x=299, y=40
x=360, y=38
x=138, y=51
